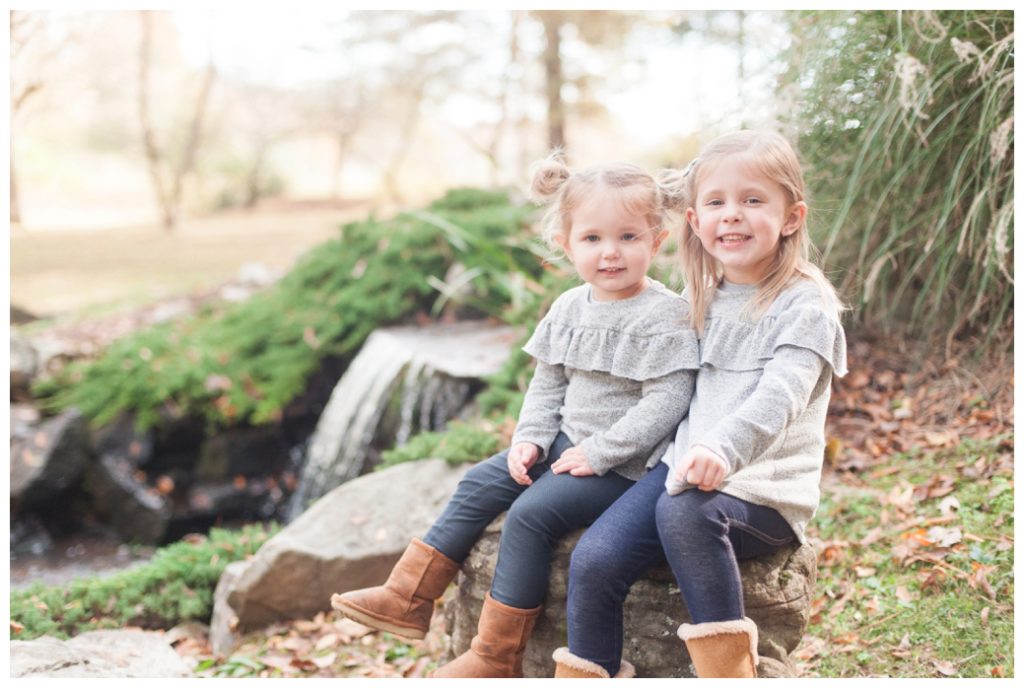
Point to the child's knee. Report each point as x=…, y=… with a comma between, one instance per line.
x=686, y=511
x=592, y=560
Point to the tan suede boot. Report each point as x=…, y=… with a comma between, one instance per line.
x=568, y=665
x=722, y=649
x=405, y=603
x=497, y=649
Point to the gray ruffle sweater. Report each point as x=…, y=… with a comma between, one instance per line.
x=615, y=376
x=761, y=397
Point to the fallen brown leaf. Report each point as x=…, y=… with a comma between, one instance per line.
x=979, y=578
x=324, y=661
x=351, y=628
x=306, y=626
x=326, y=641
x=282, y=663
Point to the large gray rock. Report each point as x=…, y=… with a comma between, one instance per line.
x=350, y=538
x=24, y=364
x=98, y=654
x=121, y=497
x=777, y=594
x=223, y=632
x=48, y=459
x=248, y=451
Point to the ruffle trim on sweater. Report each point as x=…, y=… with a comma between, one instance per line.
x=642, y=338
x=739, y=345
x=620, y=353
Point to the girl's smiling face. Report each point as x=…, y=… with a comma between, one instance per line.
x=611, y=247
x=739, y=216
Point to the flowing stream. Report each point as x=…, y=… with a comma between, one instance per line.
x=404, y=379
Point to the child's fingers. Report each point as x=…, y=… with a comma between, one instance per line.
x=713, y=477
x=683, y=469
x=698, y=473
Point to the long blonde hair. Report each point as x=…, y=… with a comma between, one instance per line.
x=772, y=156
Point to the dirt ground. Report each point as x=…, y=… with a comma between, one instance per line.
x=89, y=272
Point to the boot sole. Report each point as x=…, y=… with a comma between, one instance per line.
x=363, y=617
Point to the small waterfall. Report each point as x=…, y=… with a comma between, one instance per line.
x=404, y=379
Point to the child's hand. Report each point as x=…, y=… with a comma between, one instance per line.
x=574, y=462
x=701, y=467
x=521, y=458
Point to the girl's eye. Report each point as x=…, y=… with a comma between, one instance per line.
x=753, y=201
x=591, y=238
x=714, y=202
x=629, y=236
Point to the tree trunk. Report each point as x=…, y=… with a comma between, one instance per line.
x=503, y=99
x=169, y=199
x=253, y=193
x=554, y=78
x=152, y=150
x=15, y=205
x=18, y=22
x=343, y=139
x=741, y=72
x=412, y=117
x=195, y=133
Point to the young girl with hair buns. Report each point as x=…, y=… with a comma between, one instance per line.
x=615, y=366
x=741, y=479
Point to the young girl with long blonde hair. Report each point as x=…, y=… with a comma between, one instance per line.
x=741, y=479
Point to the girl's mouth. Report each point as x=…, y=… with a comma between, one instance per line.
x=611, y=271
x=733, y=238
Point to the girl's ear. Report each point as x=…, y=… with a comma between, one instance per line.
x=795, y=219
x=563, y=242
x=691, y=220
x=658, y=239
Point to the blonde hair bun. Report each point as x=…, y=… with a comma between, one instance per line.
x=548, y=177
x=674, y=190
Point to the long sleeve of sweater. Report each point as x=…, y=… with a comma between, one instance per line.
x=781, y=395
x=540, y=417
x=663, y=404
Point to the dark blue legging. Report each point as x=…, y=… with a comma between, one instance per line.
x=538, y=516
x=702, y=534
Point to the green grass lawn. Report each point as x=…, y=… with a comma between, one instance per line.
x=915, y=574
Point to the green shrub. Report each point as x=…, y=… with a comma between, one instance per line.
x=177, y=585
x=245, y=362
x=458, y=444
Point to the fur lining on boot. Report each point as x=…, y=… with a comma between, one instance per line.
x=563, y=656
x=703, y=630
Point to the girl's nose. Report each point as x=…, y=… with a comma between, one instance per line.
x=610, y=249
x=732, y=213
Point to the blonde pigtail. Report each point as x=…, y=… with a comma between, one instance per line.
x=548, y=177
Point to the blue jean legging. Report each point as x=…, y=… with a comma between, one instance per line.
x=702, y=534
x=538, y=516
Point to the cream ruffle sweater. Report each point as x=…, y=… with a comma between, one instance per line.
x=762, y=394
